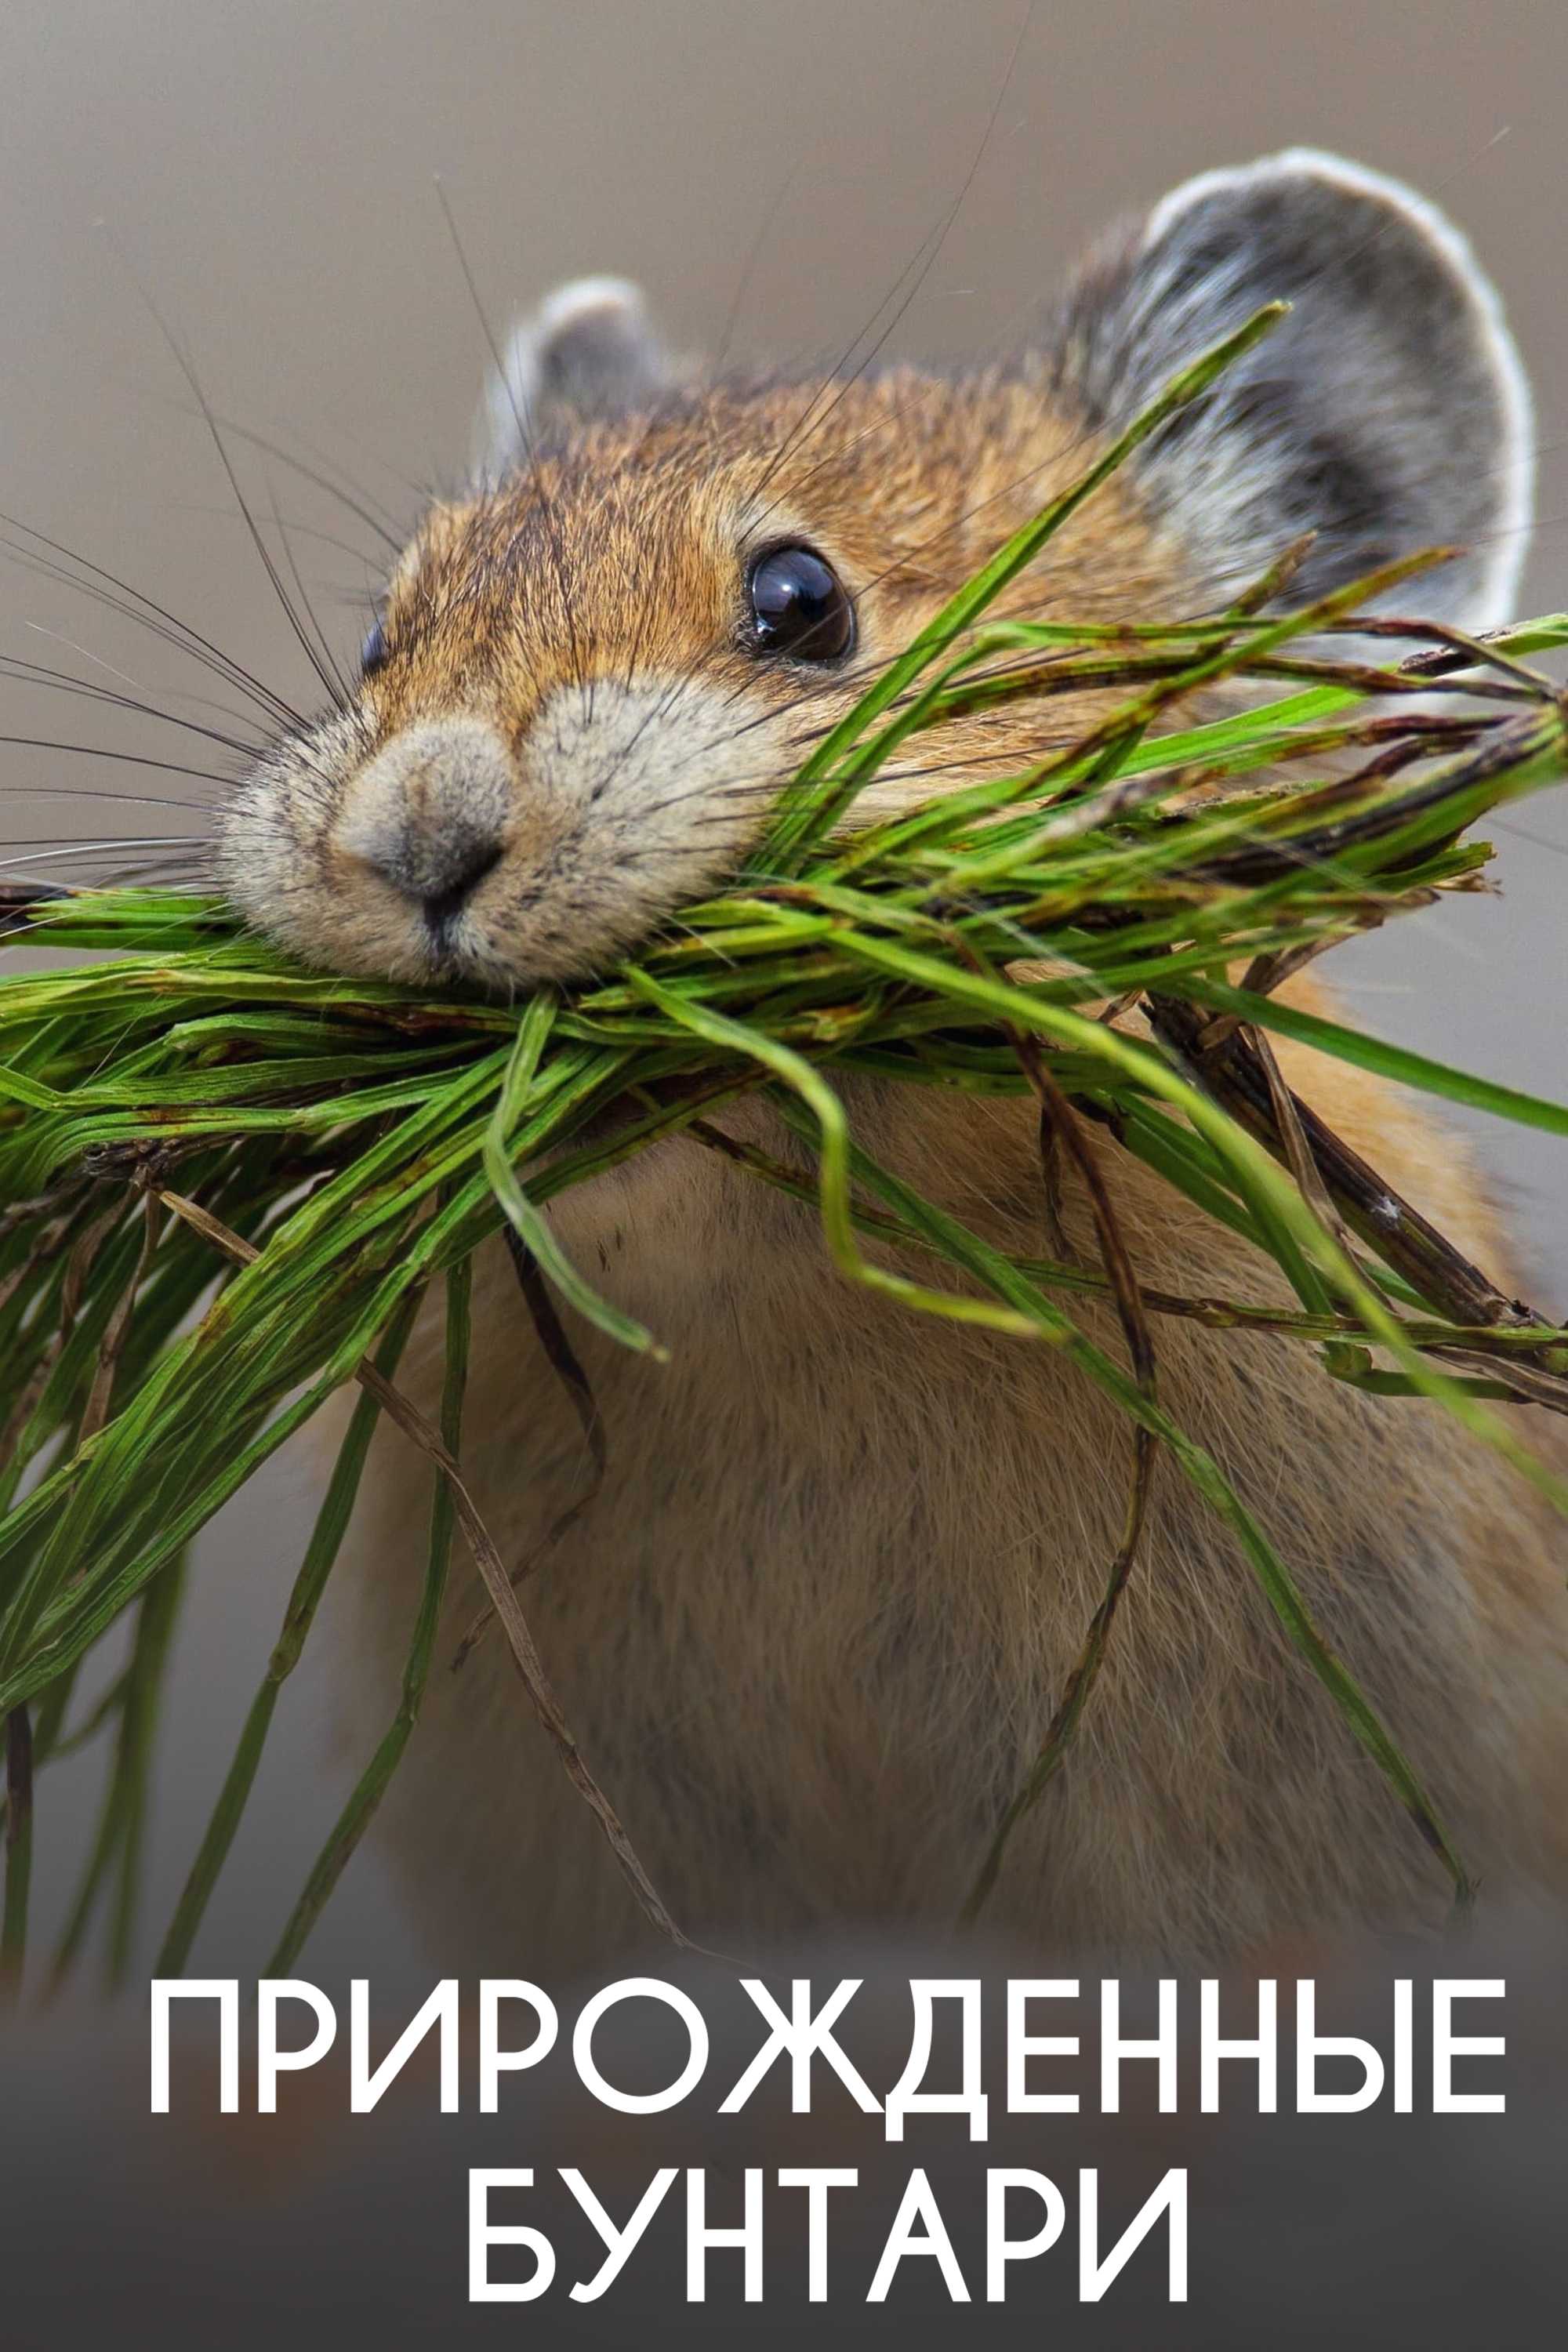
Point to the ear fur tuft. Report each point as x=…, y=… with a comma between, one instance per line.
x=589, y=349
x=1387, y=413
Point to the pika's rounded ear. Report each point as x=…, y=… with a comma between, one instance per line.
x=589, y=349
x=1387, y=413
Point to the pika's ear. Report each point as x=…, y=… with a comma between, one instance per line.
x=588, y=351
x=1387, y=413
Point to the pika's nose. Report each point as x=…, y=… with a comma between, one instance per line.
x=429, y=813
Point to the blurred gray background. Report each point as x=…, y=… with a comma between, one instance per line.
x=264, y=171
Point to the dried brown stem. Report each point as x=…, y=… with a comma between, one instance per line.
x=1499, y=753
x=118, y=1328
x=1059, y=1122
x=1298, y=1152
x=84, y=1249
x=1213, y=1314
x=492, y=1568
x=1229, y=1070
x=567, y=1366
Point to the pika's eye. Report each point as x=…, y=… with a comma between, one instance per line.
x=799, y=606
x=373, y=652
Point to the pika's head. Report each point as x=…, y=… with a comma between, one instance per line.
x=590, y=679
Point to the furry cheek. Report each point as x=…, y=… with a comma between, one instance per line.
x=623, y=801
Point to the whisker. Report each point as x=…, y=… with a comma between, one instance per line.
x=926, y=265
x=341, y=687
x=182, y=361
x=49, y=856
x=332, y=685
x=1536, y=840
x=62, y=682
x=301, y=530
x=753, y=255
x=382, y=527
x=927, y=250
x=97, y=659
x=259, y=738
x=146, y=609
x=97, y=792
x=131, y=759
x=526, y=442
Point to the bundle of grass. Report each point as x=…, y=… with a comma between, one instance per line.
x=229, y=1181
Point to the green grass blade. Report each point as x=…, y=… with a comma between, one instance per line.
x=321, y=1557
x=356, y=1816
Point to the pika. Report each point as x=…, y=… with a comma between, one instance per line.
x=811, y=1631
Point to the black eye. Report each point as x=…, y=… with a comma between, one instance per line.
x=373, y=652
x=799, y=606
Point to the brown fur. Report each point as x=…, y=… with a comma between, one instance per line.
x=811, y=1632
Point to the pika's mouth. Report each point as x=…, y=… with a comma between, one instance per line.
x=501, y=856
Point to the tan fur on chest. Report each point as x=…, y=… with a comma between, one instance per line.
x=812, y=1632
